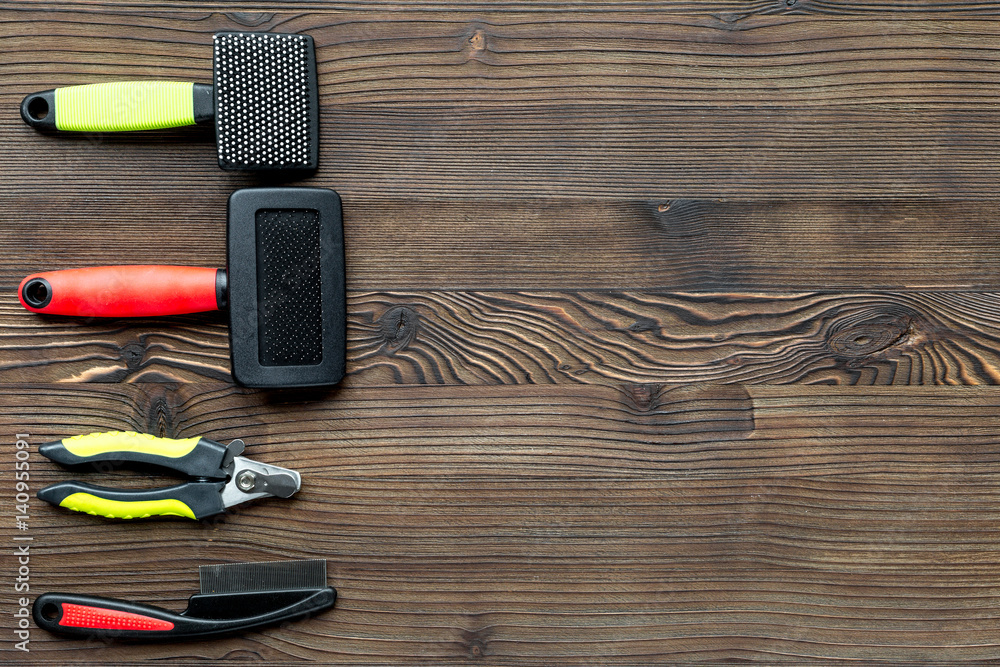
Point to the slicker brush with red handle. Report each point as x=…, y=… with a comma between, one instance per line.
x=283, y=287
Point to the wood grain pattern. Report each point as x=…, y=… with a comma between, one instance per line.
x=253, y=14
x=674, y=244
x=611, y=267
x=564, y=524
x=552, y=105
x=603, y=153
x=522, y=337
x=661, y=244
x=607, y=338
x=506, y=59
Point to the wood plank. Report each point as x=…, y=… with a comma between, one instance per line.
x=635, y=152
x=790, y=107
x=611, y=337
x=257, y=13
x=561, y=524
x=522, y=243
x=673, y=244
x=568, y=152
x=528, y=337
x=506, y=59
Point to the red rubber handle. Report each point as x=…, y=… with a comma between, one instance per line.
x=82, y=616
x=121, y=291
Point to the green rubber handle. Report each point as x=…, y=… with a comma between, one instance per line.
x=116, y=107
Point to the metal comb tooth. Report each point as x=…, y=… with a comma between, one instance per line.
x=264, y=87
x=266, y=576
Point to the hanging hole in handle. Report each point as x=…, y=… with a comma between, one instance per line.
x=50, y=611
x=38, y=108
x=37, y=292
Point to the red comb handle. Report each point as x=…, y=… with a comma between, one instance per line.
x=124, y=291
x=82, y=616
x=93, y=616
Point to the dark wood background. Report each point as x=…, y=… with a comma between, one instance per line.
x=672, y=329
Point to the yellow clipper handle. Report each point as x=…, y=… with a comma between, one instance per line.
x=97, y=444
x=194, y=457
x=193, y=500
x=119, y=106
x=79, y=499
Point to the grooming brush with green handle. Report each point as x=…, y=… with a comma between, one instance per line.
x=264, y=103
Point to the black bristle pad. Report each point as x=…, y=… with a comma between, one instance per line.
x=265, y=101
x=267, y=576
x=290, y=304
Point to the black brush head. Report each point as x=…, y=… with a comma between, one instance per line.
x=285, y=275
x=266, y=101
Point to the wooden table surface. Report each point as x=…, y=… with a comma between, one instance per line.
x=672, y=330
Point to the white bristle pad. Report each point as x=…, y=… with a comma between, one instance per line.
x=262, y=92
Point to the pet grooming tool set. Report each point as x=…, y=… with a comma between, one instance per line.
x=283, y=289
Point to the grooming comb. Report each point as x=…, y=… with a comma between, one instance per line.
x=264, y=103
x=283, y=288
x=232, y=598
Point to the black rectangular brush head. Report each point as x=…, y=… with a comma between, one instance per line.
x=266, y=101
x=285, y=274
